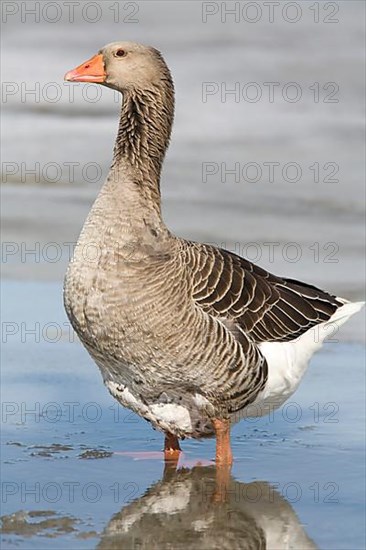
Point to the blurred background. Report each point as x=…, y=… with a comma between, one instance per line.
x=65, y=132
x=267, y=159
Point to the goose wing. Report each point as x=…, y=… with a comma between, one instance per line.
x=265, y=307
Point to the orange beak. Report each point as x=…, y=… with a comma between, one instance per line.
x=89, y=71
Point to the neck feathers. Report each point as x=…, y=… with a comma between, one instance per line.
x=145, y=128
x=142, y=140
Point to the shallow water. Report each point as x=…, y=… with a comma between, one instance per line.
x=69, y=480
x=68, y=473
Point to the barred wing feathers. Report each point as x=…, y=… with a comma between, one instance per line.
x=265, y=307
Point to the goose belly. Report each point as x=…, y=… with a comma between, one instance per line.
x=183, y=417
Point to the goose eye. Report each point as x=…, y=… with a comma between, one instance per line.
x=120, y=53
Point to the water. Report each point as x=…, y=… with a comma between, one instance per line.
x=66, y=448
x=298, y=478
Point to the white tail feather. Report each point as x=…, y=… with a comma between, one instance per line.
x=288, y=361
x=346, y=311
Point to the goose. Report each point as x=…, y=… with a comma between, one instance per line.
x=189, y=336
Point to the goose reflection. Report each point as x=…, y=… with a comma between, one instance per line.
x=182, y=512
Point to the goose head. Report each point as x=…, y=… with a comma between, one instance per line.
x=121, y=66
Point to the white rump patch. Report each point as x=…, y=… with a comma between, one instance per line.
x=288, y=361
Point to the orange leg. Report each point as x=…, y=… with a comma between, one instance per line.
x=223, y=448
x=172, y=449
x=224, y=460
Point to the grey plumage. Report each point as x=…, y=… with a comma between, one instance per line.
x=169, y=320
